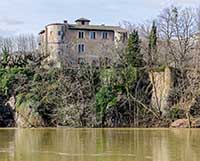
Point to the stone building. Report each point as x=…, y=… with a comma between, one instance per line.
x=81, y=42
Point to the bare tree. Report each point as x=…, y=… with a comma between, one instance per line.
x=197, y=19
x=130, y=27
x=176, y=30
x=25, y=43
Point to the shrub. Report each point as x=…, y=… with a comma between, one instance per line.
x=9, y=77
x=105, y=98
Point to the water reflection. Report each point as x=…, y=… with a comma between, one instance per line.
x=6, y=145
x=99, y=145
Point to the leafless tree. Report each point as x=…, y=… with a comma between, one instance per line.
x=176, y=30
x=130, y=27
x=25, y=43
x=197, y=19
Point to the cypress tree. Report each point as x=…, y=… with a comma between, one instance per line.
x=153, y=44
x=133, y=54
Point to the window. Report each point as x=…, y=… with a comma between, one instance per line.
x=92, y=35
x=81, y=48
x=80, y=34
x=59, y=33
x=104, y=35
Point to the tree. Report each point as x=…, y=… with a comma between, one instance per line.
x=5, y=55
x=197, y=19
x=166, y=33
x=153, y=44
x=177, y=30
x=133, y=55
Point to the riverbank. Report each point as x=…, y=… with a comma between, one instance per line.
x=130, y=89
x=81, y=97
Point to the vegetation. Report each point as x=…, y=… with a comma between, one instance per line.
x=123, y=93
x=5, y=55
x=133, y=55
x=153, y=44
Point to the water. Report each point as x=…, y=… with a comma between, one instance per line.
x=99, y=145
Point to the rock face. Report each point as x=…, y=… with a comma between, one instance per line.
x=27, y=118
x=11, y=116
x=162, y=83
x=180, y=123
x=184, y=123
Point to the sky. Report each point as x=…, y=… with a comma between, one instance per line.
x=30, y=16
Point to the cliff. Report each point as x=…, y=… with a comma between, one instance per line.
x=162, y=85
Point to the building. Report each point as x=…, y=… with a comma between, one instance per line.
x=80, y=42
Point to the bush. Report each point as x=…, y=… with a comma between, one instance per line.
x=105, y=98
x=9, y=76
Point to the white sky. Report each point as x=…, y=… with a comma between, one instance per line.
x=30, y=16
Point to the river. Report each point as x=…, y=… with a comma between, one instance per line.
x=99, y=144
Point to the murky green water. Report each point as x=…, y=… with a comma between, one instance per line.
x=99, y=145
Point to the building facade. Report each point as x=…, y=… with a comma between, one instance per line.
x=81, y=42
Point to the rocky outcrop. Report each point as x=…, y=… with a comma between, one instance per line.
x=27, y=118
x=10, y=116
x=162, y=84
x=180, y=123
x=184, y=123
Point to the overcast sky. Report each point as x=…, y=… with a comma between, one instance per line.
x=30, y=16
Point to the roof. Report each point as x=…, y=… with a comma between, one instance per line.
x=55, y=24
x=96, y=27
x=89, y=27
x=82, y=19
